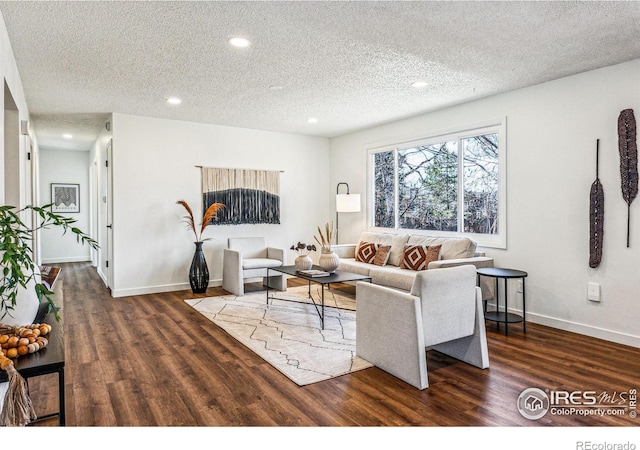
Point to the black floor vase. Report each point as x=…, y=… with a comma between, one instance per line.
x=199, y=273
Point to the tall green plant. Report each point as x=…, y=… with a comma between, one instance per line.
x=17, y=263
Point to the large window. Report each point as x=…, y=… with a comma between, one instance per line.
x=452, y=183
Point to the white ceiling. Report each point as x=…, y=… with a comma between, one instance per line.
x=349, y=64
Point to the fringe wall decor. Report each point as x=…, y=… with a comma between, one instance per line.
x=596, y=217
x=249, y=196
x=628, y=160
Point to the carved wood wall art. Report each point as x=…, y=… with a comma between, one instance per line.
x=628, y=160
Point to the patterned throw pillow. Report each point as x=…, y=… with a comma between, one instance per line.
x=382, y=255
x=366, y=252
x=418, y=257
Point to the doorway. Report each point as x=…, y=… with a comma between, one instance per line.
x=106, y=219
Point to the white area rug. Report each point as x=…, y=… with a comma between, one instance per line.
x=288, y=335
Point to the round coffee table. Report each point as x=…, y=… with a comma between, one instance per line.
x=505, y=317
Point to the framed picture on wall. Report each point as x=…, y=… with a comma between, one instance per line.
x=65, y=198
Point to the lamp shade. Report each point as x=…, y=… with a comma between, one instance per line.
x=347, y=202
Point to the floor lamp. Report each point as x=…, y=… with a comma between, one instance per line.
x=345, y=203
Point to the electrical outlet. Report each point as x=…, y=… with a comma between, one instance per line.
x=520, y=286
x=593, y=292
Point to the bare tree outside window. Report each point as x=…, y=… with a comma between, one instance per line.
x=427, y=187
x=480, y=184
x=429, y=178
x=384, y=173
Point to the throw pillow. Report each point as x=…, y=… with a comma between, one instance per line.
x=418, y=257
x=366, y=252
x=382, y=255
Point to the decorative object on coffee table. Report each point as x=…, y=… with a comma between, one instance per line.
x=199, y=272
x=329, y=260
x=303, y=261
x=596, y=217
x=628, y=148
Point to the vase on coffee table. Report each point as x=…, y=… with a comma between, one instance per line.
x=329, y=261
x=303, y=262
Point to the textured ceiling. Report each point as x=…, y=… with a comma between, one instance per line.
x=349, y=64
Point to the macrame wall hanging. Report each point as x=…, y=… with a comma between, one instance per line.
x=596, y=216
x=249, y=196
x=628, y=160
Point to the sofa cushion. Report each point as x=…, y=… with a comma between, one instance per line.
x=393, y=277
x=259, y=263
x=382, y=255
x=452, y=247
x=418, y=257
x=396, y=241
x=366, y=252
x=353, y=266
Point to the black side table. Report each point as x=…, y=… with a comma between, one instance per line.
x=505, y=317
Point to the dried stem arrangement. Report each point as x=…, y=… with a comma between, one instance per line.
x=209, y=215
x=325, y=239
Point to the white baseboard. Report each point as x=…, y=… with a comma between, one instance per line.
x=580, y=328
x=102, y=276
x=69, y=259
x=587, y=330
x=158, y=289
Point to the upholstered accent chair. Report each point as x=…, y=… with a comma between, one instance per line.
x=249, y=257
x=443, y=312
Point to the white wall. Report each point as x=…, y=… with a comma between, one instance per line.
x=154, y=166
x=65, y=166
x=9, y=72
x=551, y=147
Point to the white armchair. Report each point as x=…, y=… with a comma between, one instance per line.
x=249, y=257
x=443, y=312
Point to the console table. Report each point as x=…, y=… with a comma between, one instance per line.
x=505, y=316
x=46, y=361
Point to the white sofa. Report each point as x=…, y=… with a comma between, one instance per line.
x=454, y=251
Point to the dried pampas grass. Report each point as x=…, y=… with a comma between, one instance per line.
x=209, y=215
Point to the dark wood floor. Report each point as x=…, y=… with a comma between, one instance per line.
x=154, y=361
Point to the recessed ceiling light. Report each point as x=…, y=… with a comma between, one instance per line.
x=174, y=101
x=67, y=136
x=276, y=88
x=239, y=42
x=312, y=120
x=419, y=84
